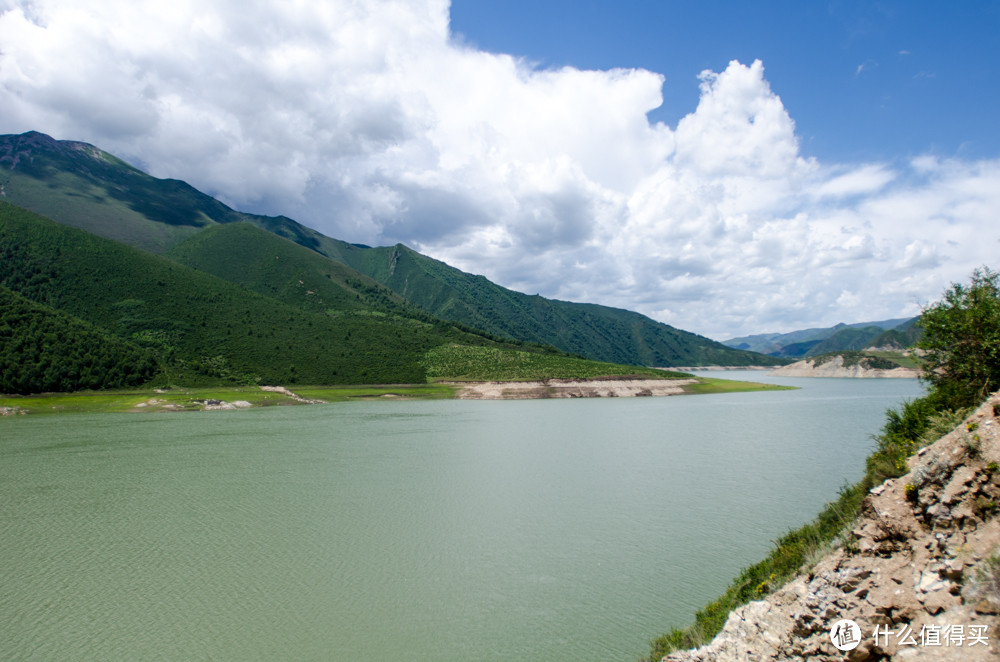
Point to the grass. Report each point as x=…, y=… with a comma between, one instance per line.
x=86, y=402
x=904, y=360
x=192, y=399
x=368, y=392
x=708, y=385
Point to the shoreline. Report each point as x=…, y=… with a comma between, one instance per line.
x=229, y=398
x=721, y=368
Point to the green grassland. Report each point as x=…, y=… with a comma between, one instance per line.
x=706, y=385
x=376, y=392
x=901, y=359
x=208, y=331
x=184, y=399
x=194, y=399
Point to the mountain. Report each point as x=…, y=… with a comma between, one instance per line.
x=250, y=256
x=79, y=185
x=841, y=337
x=203, y=327
x=901, y=337
x=598, y=332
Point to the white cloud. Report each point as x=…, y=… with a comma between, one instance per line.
x=366, y=120
x=866, y=179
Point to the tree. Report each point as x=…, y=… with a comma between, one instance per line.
x=962, y=340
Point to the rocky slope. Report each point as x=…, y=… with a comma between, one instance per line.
x=835, y=367
x=918, y=565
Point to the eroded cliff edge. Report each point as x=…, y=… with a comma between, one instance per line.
x=919, y=561
x=836, y=366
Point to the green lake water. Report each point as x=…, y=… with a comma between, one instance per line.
x=419, y=531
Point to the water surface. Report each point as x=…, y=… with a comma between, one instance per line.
x=437, y=530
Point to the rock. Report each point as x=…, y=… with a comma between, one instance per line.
x=938, y=601
x=953, y=569
x=861, y=653
x=931, y=581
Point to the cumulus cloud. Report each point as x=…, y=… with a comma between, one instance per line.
x=367, y=120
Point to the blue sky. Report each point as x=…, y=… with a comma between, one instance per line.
x=724, y=167
x=862, y=80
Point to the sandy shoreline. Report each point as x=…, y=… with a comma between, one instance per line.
x=569, y=388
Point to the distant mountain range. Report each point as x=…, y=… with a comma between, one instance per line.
x=887, y=334
x=242, y=295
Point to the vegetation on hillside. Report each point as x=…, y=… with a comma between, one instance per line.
x=281, y=269
x=205, y=329
x=469, y=363
x=867, y=359
x=904, y=336
x=42, y=349
x=961, y=338
x=324, y=324
x=596, y=332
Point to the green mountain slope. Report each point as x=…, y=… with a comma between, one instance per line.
x=598, y=332
x=282, y=269
x=904, y=336
x=203, y=324
x=43, y=349
x=79, y=185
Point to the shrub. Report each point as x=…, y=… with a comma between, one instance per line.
x=962, y=339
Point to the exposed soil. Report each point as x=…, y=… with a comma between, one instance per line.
x=570, y=388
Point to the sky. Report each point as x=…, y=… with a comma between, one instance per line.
x=728, y=168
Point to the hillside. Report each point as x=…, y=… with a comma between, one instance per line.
x=79, y=185
x=208, y=328
x=42, y=349
x=900, y=337
x=282, y=269
x=172, y=324
x=853, y=364
x=599, y=332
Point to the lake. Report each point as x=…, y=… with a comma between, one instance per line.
x=434, y=530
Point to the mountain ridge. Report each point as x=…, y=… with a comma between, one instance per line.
x=804, y=343
x=80, y=185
